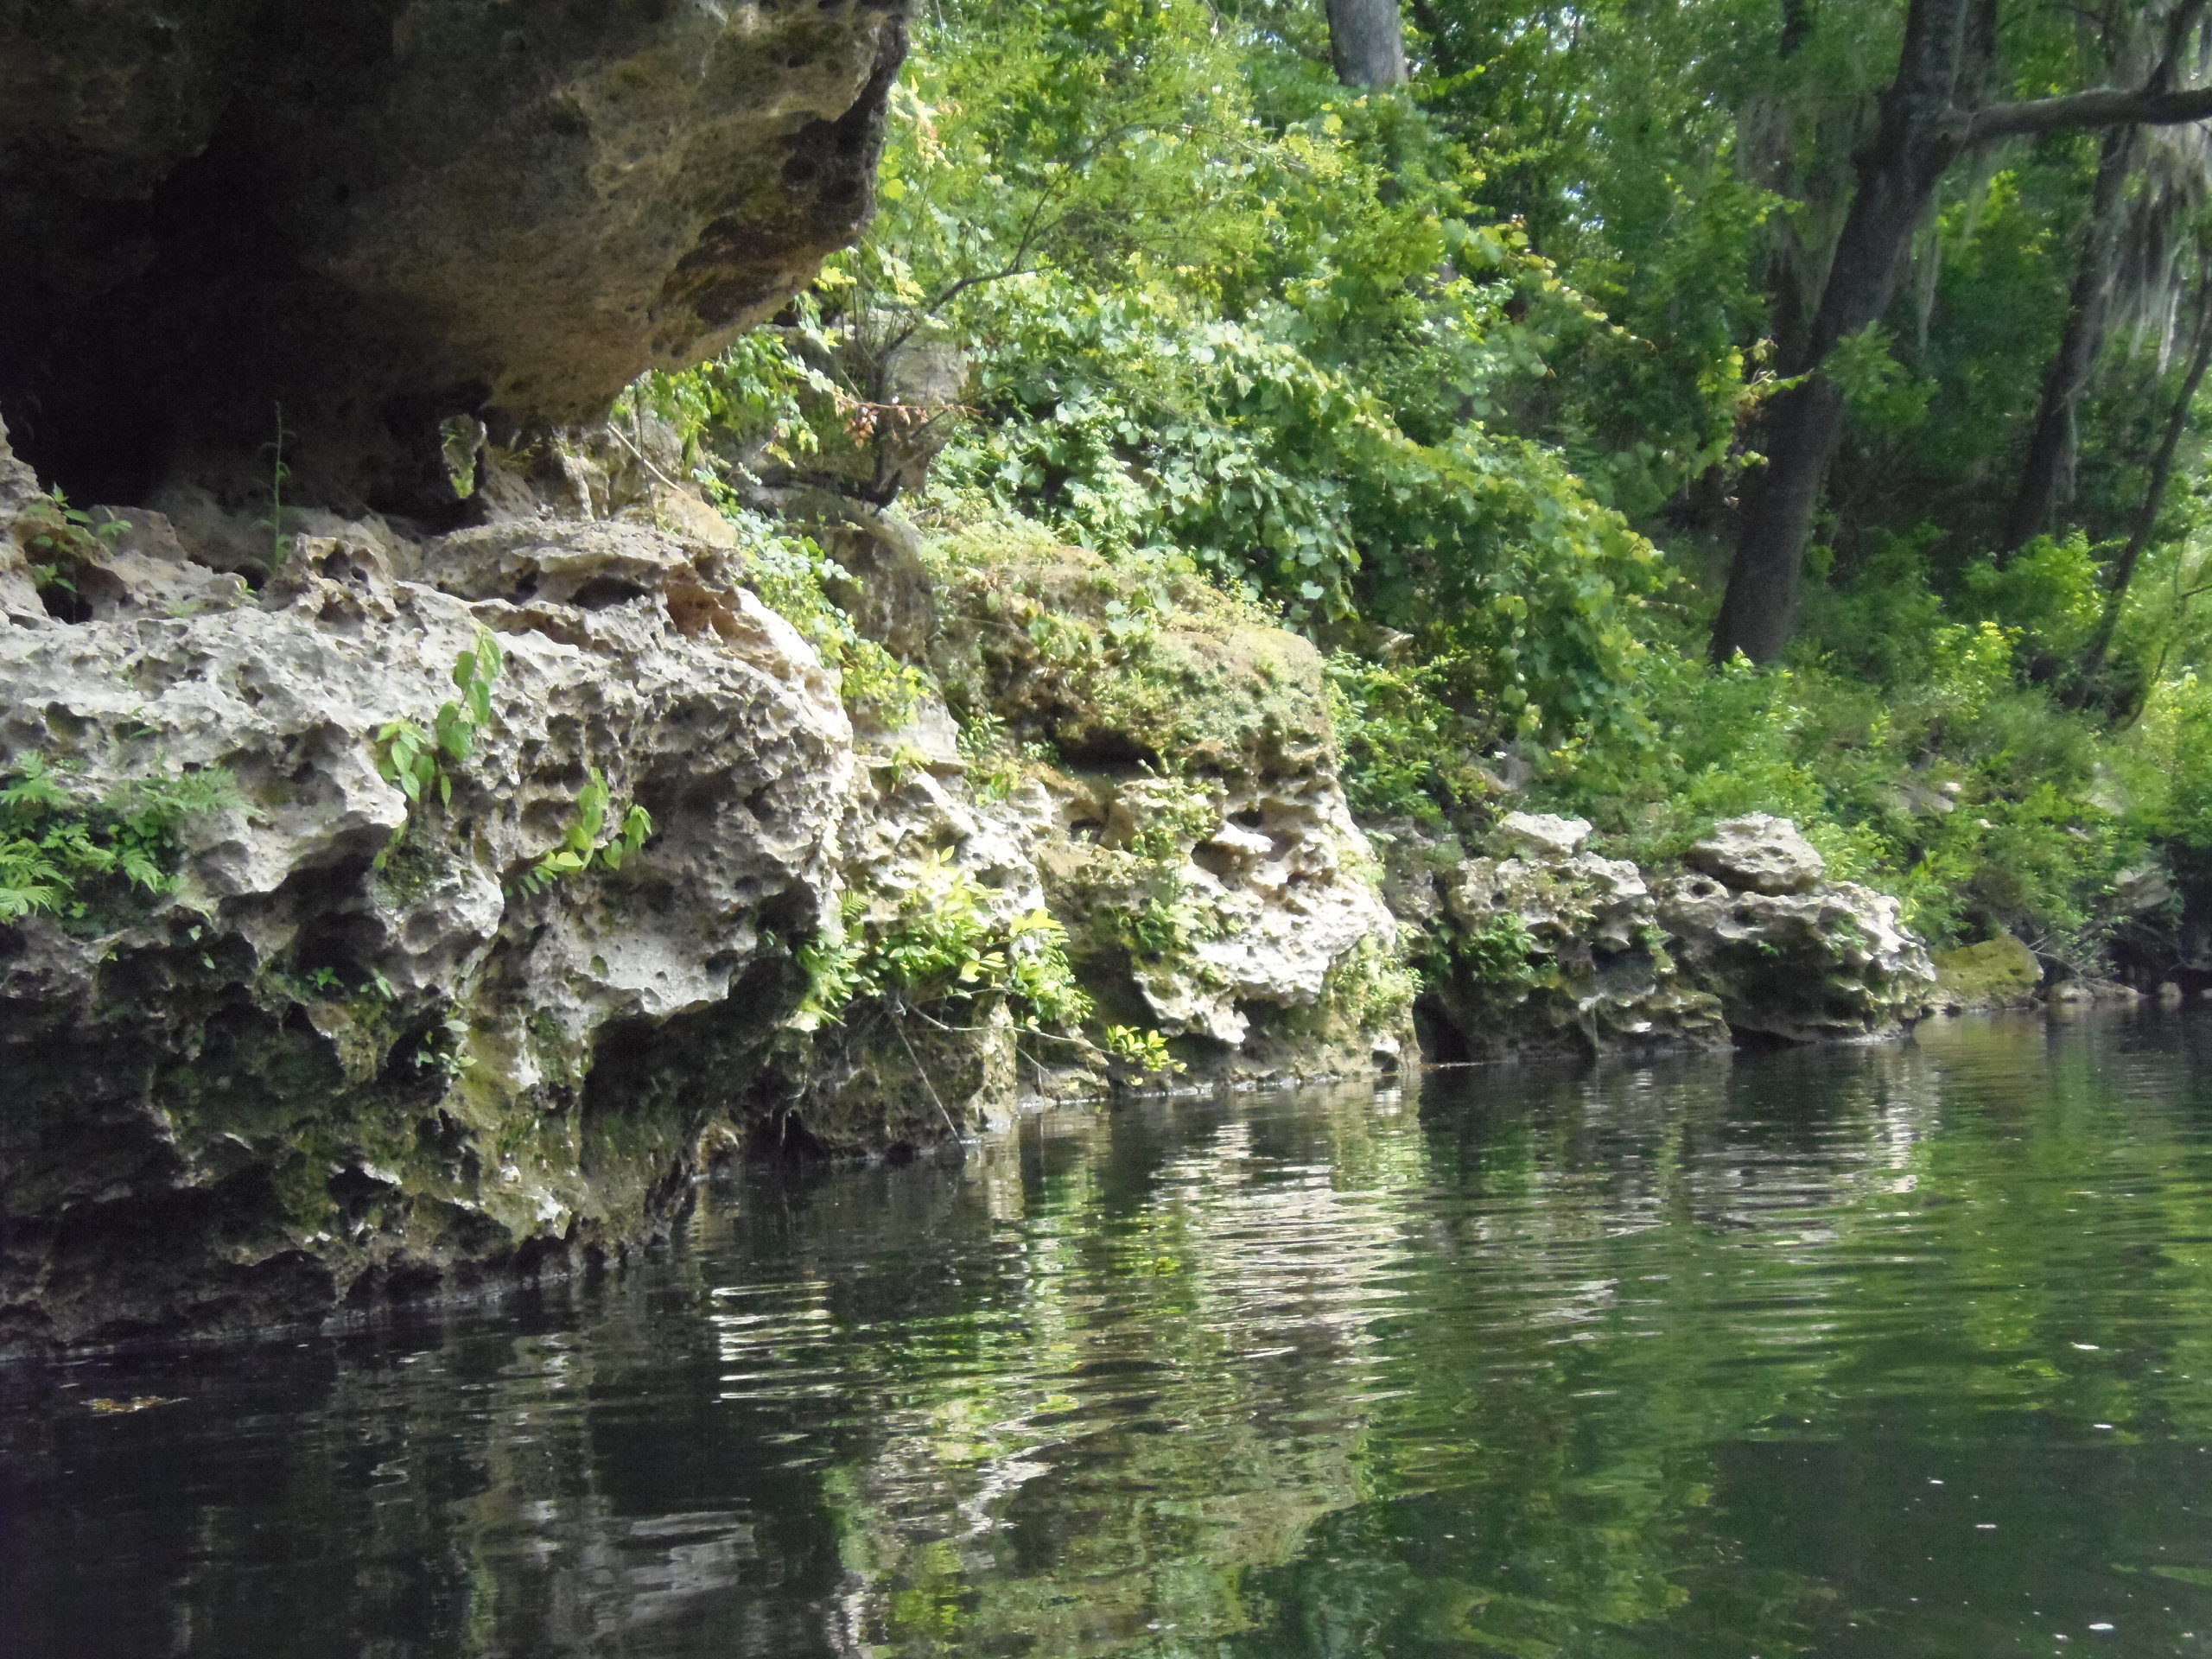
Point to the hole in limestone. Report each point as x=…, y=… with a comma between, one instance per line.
x=65, y=605
x=790, y=914
x=334, y=937
x=1217, y=861
x=602, y=591
x=1108, y=751
x=1441, y=1041
x=783, y=1137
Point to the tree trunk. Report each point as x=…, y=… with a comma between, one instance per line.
x=2047, y=470
x=1797, y=27
x=1918, y=138
x=2122, y=573
x=1440, y=51
x=1367, y=38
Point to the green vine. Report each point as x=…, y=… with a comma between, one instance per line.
x=581, y=846
x=420, y=762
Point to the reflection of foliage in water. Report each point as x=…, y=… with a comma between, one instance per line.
x=1497, y=1427
x=1589, y=1364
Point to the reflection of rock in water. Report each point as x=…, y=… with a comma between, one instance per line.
x=1226, y=1366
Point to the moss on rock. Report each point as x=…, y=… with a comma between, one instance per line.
x=1999, y=973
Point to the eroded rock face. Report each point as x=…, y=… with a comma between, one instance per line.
x=381, y=216
x=1233, y=907
x=1556, y=950
x=366, y=1051
x=1202, y=854
x=1759, y=854
x=882, y=1077
x=359, y=1052
x=1835, y=962
x=1552, y=949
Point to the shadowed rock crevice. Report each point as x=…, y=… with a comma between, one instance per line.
x=379, y=216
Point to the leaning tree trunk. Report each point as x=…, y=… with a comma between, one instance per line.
x=1929, y=119
x=1367, y=38
x=1918, y=138
x=2047, y=469
x=2122, y=573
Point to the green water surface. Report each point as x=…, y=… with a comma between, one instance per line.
x=1864, y=1353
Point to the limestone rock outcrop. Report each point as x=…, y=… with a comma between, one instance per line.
x=1557, y=949
x=1167, y=793
x=1201, y=852
x=359, y=1047
x=1834, y=962
x=364, y=222
x=1549, y=948
x=362, y=1048
x=1758, y=854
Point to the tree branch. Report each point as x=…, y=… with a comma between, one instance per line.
x=2106, y=107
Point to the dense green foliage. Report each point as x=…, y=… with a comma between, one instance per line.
x=1465, y=381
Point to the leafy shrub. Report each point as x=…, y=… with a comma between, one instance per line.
x=942, y=943
x=1500, y=955
x=1403, y=750
x=1934, y=767
x=757, y=399
x=940, y=948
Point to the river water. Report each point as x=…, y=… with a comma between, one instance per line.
x=1856, y=1352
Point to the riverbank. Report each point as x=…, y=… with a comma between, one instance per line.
x=493, y=885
